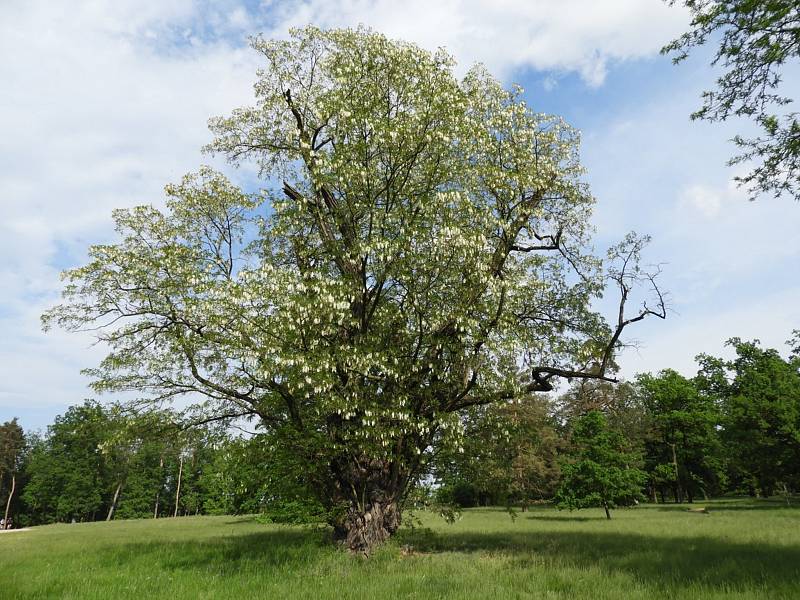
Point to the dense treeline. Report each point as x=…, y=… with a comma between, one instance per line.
x=94, y=463
x=733, y=428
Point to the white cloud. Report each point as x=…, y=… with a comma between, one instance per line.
x=715, y=201
x=706, y=200
x=570, y=35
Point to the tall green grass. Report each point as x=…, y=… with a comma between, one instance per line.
x=742, y=549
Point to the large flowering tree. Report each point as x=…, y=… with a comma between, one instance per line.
x=423, y=252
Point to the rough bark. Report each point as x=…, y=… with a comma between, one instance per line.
x=371, y=492
x=362, y=531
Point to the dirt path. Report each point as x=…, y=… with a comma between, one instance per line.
x=14, y=530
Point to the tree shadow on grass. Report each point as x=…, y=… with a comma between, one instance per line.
x=662, y=561
x=754, y=504
x=227, y=555
x=719, y=508
x=239, y=519
x=566, y=518
x=737, y=504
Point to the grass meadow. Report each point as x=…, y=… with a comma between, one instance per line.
x=742, y=549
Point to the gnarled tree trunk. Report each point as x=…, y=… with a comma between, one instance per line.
x=364, y=529
x=372, y=492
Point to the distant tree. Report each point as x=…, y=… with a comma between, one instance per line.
x=99, y=462
x=427, y=252
x=144, y=480
x=236, y=481
x=118, y=447
x=794, y=344
x=198, y=449
x=684, y=452
x=12, y=448
x=760, y=395
x=135, y=448
x=510, y=456
x=67, y=472
x=533, y=446
x=757, y=40
x=601, y=470
x=621, y=403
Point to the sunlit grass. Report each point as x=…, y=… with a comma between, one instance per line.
x=742, y=549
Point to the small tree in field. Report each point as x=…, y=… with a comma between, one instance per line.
x=603, y=470
x=424, y=254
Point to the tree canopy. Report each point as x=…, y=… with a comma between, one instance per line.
x=683, y=448
x=759, y=394
x=426, y=251
x=68, y=469
x=757, y=40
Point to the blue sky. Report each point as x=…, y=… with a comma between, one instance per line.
x=104, y=103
